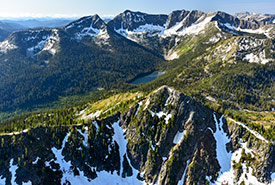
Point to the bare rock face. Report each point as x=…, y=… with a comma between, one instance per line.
x=170, y=131
x=130, y=20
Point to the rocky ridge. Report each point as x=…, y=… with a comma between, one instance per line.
x=163, y=138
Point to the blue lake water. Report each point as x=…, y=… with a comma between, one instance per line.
x=147, y=78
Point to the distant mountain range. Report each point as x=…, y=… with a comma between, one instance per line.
x=40, y=22
x=208, y=119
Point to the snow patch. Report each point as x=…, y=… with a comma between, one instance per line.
x=122, y=143
x=50, y=43
x=103, y=34
x=139, y=105
x=214, y=39
x=32, y=51
x=210, y=98
x=178, y=137
x=35, y=162
x=252, y=58
x=171, y=55
x=256, y=31
x=160, y=114
x=85, y=135
x=6, y=46
x=17, y=133
x=27, y=183
x=2, y=181
x=13, y=169
x=222, y=139
x=272, y=179
x=92, y=115
x=153, y=29
x=184, y=173
x=193, y=29
x=147, y=103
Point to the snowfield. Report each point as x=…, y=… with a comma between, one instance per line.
x=226, y=159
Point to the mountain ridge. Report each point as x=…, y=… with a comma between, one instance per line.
x=165, y=137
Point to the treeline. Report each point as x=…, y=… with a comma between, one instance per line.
x=58, y=117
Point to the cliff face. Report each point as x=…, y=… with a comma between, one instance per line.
x=169, y=131
x=163, y=138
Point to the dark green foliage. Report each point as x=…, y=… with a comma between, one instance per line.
x=77, y=68
x=58, y=117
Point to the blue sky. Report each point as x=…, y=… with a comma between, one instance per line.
x=76, y=8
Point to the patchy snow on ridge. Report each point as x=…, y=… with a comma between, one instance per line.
x=6, y=46
x=160, y=114
x=252, y=58
x=89, y=31
x=65, y=167
x=229, y=178
x=256, y=134
x=32, y=51
x=149, y=28
x=225, y=159
x=50, y=43
x=255, y=31
x=92, y=115
x=196, y=28
x=86, y=31
x=103, y=34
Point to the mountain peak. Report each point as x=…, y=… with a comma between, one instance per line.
x=85, y=26
x=129, y=20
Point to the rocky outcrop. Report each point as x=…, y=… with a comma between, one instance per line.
x=161, y=146
x=129, y=20
x=165, y=138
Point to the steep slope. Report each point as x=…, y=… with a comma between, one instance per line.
x=163, y=138
x=82, y=56
x=162, y=33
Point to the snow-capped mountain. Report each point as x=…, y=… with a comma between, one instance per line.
x=262, y=19
x=86, y=26
x=163, y=33
x=159, y=33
